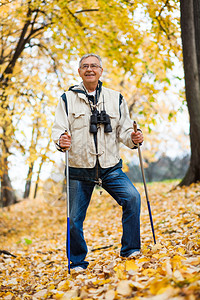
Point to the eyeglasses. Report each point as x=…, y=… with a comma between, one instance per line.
x=92, y=66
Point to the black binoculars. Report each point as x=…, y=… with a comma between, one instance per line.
x=100, y=118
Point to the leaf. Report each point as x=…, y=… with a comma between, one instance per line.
x=110, y=295
x=131, y=265
x=59, y=295
x=159, y=286
x=156, y=247
x=12, y=281
x=27, y=241
x=119, y=271
x=63, y=285
x=178, y=276
x=123, y=288
x=70, y=294
x=167, y=267
x=41, y=293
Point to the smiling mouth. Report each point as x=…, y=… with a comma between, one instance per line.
x=90, y=75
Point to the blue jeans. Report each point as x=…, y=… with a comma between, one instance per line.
x=118, y=185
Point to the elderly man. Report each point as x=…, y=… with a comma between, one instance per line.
x=96, y=120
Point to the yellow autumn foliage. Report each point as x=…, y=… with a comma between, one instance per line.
x=35, y=232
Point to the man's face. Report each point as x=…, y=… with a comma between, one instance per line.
x=90, y=70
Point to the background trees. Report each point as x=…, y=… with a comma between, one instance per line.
x=40, y=43
x=165, y=168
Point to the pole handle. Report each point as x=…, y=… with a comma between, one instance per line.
x=135, y=126
x=66, y=133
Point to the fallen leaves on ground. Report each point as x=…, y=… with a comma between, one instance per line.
x=35, y=230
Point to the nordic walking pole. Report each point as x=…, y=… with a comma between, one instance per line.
x=67, y=193
x=145, y=186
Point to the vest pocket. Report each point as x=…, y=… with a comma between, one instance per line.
x=79, y=120
x=113, y=120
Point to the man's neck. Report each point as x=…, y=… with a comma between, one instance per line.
x=90, y=88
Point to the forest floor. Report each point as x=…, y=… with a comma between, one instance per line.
x=34, y=231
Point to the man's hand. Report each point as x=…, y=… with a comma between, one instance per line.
x=65, y=141
x=137, y=137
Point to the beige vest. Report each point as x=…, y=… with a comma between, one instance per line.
x=82, y=153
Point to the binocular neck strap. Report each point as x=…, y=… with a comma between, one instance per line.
x=92, y=106
x=96, y=97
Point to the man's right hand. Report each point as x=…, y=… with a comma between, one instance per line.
x=65, y=141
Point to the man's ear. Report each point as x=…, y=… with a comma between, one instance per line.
x=79, y=72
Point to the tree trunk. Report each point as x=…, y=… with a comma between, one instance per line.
x=40, y=168
x=28, y=31
x=28, y=181
x=191, y=88
x=8, y=196
x=197, y=33
x=38, y=179
x=32, y=151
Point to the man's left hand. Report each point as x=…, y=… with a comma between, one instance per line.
x=137, y=137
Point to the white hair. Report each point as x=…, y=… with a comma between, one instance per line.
x=88, y=55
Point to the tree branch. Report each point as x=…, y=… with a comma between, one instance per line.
x=7, y=253
x=6, y=2
x=22, y=40
x=86, y=10
x=163, y=7
x=20, y=46
x=159, y=18
x=76, y=19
